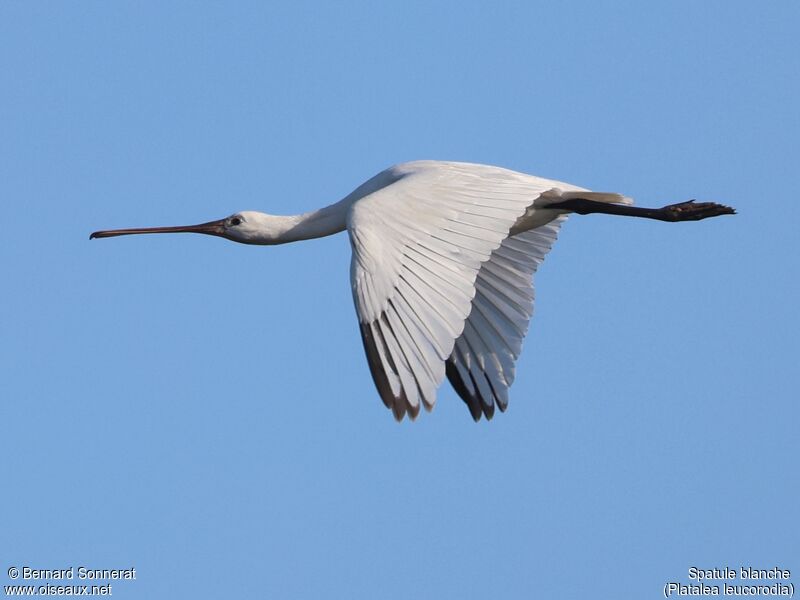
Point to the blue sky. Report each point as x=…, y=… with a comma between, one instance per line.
x=202, y=411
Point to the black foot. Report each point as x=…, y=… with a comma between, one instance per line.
x=695, y=211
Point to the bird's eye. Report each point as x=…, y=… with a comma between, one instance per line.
x=236, y=221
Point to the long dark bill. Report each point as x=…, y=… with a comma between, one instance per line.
x=210, y=228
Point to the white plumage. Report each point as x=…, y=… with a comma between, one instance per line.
x=443, y=259
x=434, y=269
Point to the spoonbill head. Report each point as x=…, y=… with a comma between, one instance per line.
x=245, y=227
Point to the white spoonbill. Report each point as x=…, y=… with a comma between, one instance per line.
x=442, y=268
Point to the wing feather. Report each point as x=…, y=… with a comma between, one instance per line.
x=439, y=287
x=501, y=312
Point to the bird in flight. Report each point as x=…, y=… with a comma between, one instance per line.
x=443, y=258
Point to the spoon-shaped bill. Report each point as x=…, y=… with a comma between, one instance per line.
x=210, y=228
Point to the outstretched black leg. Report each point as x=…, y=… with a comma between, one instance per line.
x=683, y=211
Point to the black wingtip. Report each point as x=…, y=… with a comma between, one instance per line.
x=472, y=402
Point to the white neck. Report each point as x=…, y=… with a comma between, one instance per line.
x=261, y=228
x=315, y=224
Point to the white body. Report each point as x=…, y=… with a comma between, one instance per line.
x=443, y=259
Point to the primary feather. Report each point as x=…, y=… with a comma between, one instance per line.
x=443, y=259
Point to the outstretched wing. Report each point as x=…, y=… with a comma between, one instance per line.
x=420, y=233
x=481, y=367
